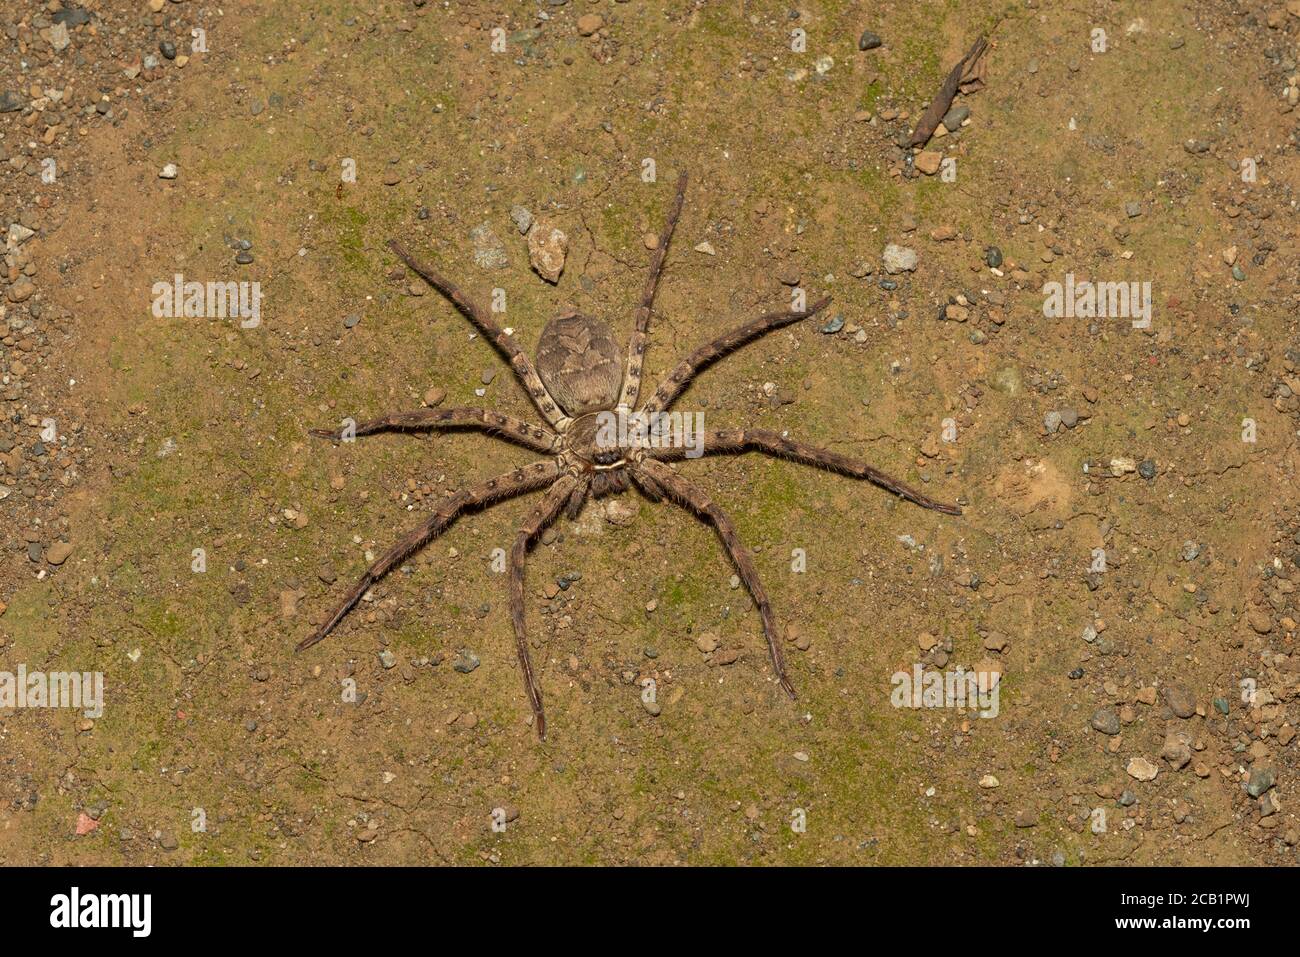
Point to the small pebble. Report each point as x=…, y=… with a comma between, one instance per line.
x=1142, y=770
x=1261, y=779
x=1106, y=721
x=869, y=41
x=954, y=118
x=522, y=218
x=899, y=259
x=58, y=553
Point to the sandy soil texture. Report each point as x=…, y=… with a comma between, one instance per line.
x=1123, y=573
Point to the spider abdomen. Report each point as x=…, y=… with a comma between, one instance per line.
x=579, y=362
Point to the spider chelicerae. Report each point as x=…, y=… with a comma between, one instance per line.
x=576, y=380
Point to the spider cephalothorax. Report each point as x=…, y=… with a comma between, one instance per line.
x=581, y=388
x=579, y=363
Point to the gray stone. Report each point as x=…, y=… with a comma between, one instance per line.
x=522, y=219
x=19, y=234
x=1261, y=779
x=899, y=259
x=1106, y=721
x=72, y=16
x=869, y=41
x=489, y=253
x=59, y=38
x=954, y=118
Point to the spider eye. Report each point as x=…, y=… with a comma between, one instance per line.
x=608, y=457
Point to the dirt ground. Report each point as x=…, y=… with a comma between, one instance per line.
x=1147, y=704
